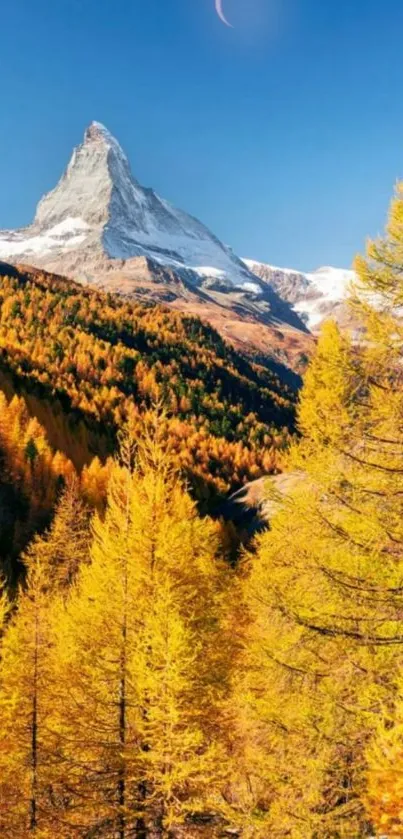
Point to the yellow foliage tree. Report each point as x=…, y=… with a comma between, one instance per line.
x=65, y=546
x=279, y=752
x=25, y=711
x=141, y=647
x=29, y=757
x=325, y=593
x=384, y=793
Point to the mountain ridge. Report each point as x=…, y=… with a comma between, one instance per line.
x=98, y=203
x=100, y=227
x=314, y=295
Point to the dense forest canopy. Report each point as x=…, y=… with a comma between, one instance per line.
x=77, y=364
x=106, y=360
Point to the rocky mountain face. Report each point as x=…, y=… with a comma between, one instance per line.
x=100, y=226
x=98, y=207
x=98, y=210
x=313, y=296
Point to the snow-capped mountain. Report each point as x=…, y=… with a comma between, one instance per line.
x=99, y=210
x=314, y=296
x=101, y=227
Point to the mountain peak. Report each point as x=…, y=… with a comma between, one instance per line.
x=97, y=132
x=97, y=126
x=98, y=210
x=98, y=176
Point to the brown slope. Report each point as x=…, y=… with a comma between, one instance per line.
x=262, y=326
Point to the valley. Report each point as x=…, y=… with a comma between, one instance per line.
x=200, y=526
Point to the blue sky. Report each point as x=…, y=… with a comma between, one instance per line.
x=283, y=134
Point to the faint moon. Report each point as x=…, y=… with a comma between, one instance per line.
x=220, y=12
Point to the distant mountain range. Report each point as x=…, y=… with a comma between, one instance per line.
x=101, y=227
x=314, y=296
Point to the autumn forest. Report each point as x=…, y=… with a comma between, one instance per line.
x=160, y=674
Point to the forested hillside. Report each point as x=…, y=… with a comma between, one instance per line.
x=149, y=688
x=77, y=365
x=102, y=361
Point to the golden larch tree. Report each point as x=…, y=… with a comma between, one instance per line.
x=143, y=652
x=326, y=587
x=26, y=706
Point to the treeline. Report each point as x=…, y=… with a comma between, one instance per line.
x=106, y=361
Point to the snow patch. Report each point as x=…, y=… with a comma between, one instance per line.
x=253, y=287
x=253, y=265
x=332, y=283
x=62, y=236
x=69, y=225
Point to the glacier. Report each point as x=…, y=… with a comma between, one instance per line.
x=314, y=295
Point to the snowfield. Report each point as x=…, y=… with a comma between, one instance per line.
x=66, y=234
x=313, y=295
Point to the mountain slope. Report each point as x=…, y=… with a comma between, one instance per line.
x=313, y=296
x=105, y=361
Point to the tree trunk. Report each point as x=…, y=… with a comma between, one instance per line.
x=34, y=738
x=122, y=740
x=122, y=718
